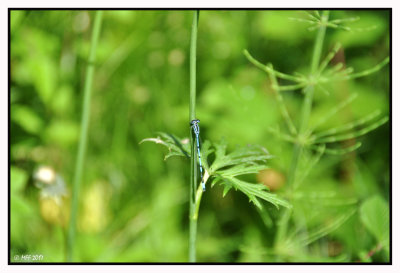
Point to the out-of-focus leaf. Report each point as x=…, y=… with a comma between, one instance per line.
x=61, y=103
x=323, y=198
x=64, y=132
x=16, y=17
x=325, y=230
x=26, y=118
x=279, y=26
x=18, y=179
x=44, y=78
x=363, y=32
x=374, y=214
x=364, y=257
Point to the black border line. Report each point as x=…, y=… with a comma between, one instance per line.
x=203, y=263
x=197, y=8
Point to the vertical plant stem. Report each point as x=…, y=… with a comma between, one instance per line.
x=83, y=134
x=193, y=157
x=304, y=118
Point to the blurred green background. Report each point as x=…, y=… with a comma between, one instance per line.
x=133, y=205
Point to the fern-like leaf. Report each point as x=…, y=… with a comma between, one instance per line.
x=176, y=147
x=227, y=167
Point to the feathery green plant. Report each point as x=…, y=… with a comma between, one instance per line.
x=307, y=138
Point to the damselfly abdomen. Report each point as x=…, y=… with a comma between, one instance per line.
x=196, y=130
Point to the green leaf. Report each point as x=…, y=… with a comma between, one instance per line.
x=27, y=119
x=18, y=179
x=250, y=154
x=243, y=160
x=323, y=198
x=62, y=132
x=206, y=150
x=45, y=77
x=255, y=191
x=241, y=169
x=374, y=214
x=176, y=146
x=364, y=257
x=322, y=231
x=226, y=189
x=61, y=103
x=16, y=17
x=225, y=168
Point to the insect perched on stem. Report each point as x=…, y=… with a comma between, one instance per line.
x=194, y=124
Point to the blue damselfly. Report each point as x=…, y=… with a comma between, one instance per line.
x=196, y=130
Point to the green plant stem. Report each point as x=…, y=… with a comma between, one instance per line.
x=319, y=41
x=83, y=135
x=193, y=158
x=304, y=118
x=199, y=194
x=368, y=71
x=193, y=46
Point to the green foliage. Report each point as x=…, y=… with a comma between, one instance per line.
x=140, y=86
x=306, y=137
x=374, y=214
x=18, y=179
x=320, y=232
x=175, y=146
x=27, y=119
x=226, y=167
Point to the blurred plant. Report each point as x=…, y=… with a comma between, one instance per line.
x=84, y=133
x=374, y=214
x=307, y=138
x=95, y=208
x=316, y=21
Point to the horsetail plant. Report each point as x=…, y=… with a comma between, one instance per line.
x=307, y=138
x=225, y=169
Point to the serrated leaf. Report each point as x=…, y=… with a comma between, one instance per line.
x=206, y=150
x=226, y=167
x=255, y=191
x=374, y=214
x=242, y=161
x=226, y=189
x=216, y=180
x=250, y=154
x=241, y=170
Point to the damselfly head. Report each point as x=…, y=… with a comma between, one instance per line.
x=194, y=122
